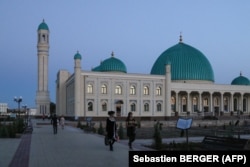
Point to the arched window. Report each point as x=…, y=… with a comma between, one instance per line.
x=159, y=107
x=173, y=105
x=104, y=89
x=90, y=106
x=90, y=89
x=146, y=90
x=118, y=90
x=104, y=106
x=132, y=90
x=244, y=104
x=216, y=101
x=195, y=104
x=158, y=91
x=132, y=107
x=235, y=104
x=146, y=107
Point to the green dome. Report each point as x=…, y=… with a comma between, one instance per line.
x=241, y=80
x=187, y=63
x=43, y=26
x=98, y=68
x=77, y=56
x=111, y=64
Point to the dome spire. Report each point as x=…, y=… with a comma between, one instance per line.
x=240, y=73
x=180, y=38
x=112, y=54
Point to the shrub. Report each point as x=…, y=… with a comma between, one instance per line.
x=4, y=132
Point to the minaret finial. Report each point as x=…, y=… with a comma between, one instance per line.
x=180, y=38
x=112, y=54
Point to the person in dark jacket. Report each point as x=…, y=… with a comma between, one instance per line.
x=111, y=129
x=54, y=122
x=131, y=125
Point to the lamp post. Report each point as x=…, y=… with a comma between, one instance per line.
x=18, y=100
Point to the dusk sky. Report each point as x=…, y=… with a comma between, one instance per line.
x=138, y=31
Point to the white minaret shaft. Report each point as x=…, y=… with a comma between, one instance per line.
x=42, y=94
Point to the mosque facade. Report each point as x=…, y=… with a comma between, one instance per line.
x=181, y=82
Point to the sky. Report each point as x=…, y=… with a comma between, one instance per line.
x=137, y=31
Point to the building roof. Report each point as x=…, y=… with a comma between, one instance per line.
x=241, y=80
x=43, y=26
x=187, y=63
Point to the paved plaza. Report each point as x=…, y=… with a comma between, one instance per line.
x=70, y=147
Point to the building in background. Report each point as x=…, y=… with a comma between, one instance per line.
x=181, y=82
x=3, y=108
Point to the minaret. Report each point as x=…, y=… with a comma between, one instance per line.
x=42, y=93
x=77, y=70
x=168, y=90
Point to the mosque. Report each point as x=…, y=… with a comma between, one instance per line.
x=181, y=82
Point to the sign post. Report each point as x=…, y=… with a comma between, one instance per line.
x=184, y=124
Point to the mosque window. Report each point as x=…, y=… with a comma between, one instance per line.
x=146, y=90
x=132, y=90
x=90, y=106
x=205, y=102
x=104, y=106
x=195, y=106
x=173, y=106
x=104, y=89
x=225, y=104
x=244, y=104
x=216, y=101
x=159, y=107
x=44, y=38
x=158, y=91
x=132, y=107
x=90, y=89
x=118, y=90
x=146, y=107
x=235, y=104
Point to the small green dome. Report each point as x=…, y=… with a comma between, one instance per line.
x=77, y=56
x=187, y=63
x=43, y=26
x=241, y=80
x=111, y=64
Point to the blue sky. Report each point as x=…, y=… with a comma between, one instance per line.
x=138, y=31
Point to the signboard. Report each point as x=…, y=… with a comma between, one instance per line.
x=184, y=123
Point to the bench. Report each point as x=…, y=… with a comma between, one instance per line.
x=223, y=143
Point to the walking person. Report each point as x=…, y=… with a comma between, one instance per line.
x=111, y=129
x=54, y=122
x=62, y=121
x=131, y=127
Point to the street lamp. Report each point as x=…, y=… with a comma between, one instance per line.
x=18, y=100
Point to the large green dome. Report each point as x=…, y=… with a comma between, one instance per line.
x=187, y=63
x=43, y=26
x=241, y=80
x=111, y=64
